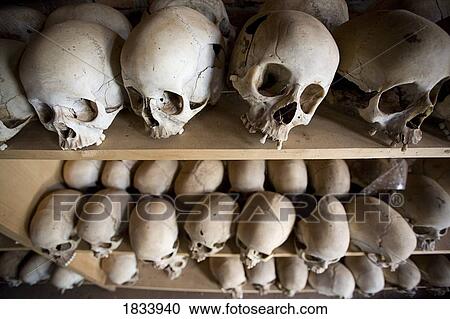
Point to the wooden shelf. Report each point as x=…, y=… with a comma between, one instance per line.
x=217, y=133
x=7, y=244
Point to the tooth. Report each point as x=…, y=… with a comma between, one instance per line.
x=279, y=145
x=264, y=139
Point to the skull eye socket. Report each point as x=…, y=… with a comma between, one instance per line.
x=136, y=99
x=398, y=98
x=219, y=245
x=440, y=91
x=274, y=81
x=311, y=97
x=45, y=251
x=443, y=232
x=171, y=103
x=84, y=110
x=421, y=230
x=64, y=246
x=45, y=112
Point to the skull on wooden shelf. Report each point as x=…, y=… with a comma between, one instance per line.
x=264, y=213
x=288, y=176
x=154, y=235
x=434, y=269
x=173, y=76
x=433, y=10
x=292, y=275
x=71, y=75
x=406, y=277
x=65, y=279
x=247, y=176
x=82, y=174
x=229, y=273
x=283, y=64
x=262, y=276
x=20, y=23
x=329, y=177
x=122, y=269
x=52, y=227
x=10, y=263
x=368, y=276
x=336, y=281
x=155, y=177
x=118, y=174
x=35, y=270
x=199, y=177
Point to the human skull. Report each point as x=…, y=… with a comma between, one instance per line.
x=229, y=273
x=209, y=225
x=380, y=231
x=199, y=177
x=64, y=279
x=52, y=228
x=15, y=111
x=102, y=221
x=399, y=61
x=434, y=269
x=74, y=89
x=154, y=235
x=82, y=174
x=368, y=276
x=336, y=281
x=117, y=174
x=406, y=277
x=20, y=23
x=262, y=276
x=288, y=176
x=323, y=237
x=172, y=67
x=92, y=12
x=292, y=275
x=442, y=113
x=122, y=269
x=214, y=10
x=36, y=269
x=10, y=262
x=331, y=13
x=329, y=177
x=155, y=177
x=427, y=210
x=438, y=170
x=283, y=64
x=247, y=176
x=433, y=10
x=264, y=213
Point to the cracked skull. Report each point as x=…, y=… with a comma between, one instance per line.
x=154, y=235
x=380, y=231
x=15, y=111
x=118, y=174
x=199, y=177
x=264, y=213
x=292, y=275
x=71, y=76
x=323, y=237
x=229, y=273
x=209, y=225
x=427, y=209
x=331, y=13
x=283, y=64
x=52, y=227
x=262, y=276
x=155, y=177
x=396, y=62
x=102, y=223
x=288, y=176
x=172, y=70
x=122, y=269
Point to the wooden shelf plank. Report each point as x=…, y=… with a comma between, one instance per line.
x=7, y=244
x=217, y=133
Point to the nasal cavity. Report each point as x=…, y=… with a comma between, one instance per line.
x=286, y=114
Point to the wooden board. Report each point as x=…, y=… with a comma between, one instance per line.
x=7, y=244
x=217, y=133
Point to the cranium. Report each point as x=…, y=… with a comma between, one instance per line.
x=331, y=13
x=214, y=10
x=74, y=88
x=154, y=235
x=434, y=269
x=427, y=209
x=121, y=268
x=247, y=176
x=262, y=276
x=229, y=273
x=102, y=221
x=336, y=281
x=399, y=61
x=173, y=76
x=380, y=231
x=329, y=177
x=155, y=177
x=368, y=276
x=209, y=225
x=199, y=177
x=264, y=213
x=323, y=237
x=283, y=64
x=292, y=275
x=15, y=111
x=433, y=10
x=36, y=269
x=82, y=174
x=10, y=262
x=52, y=228
x=289, y=176
x=117, y=174
x=65, y=279
x=20, y=23
x=406, y=276
x=92, y=12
